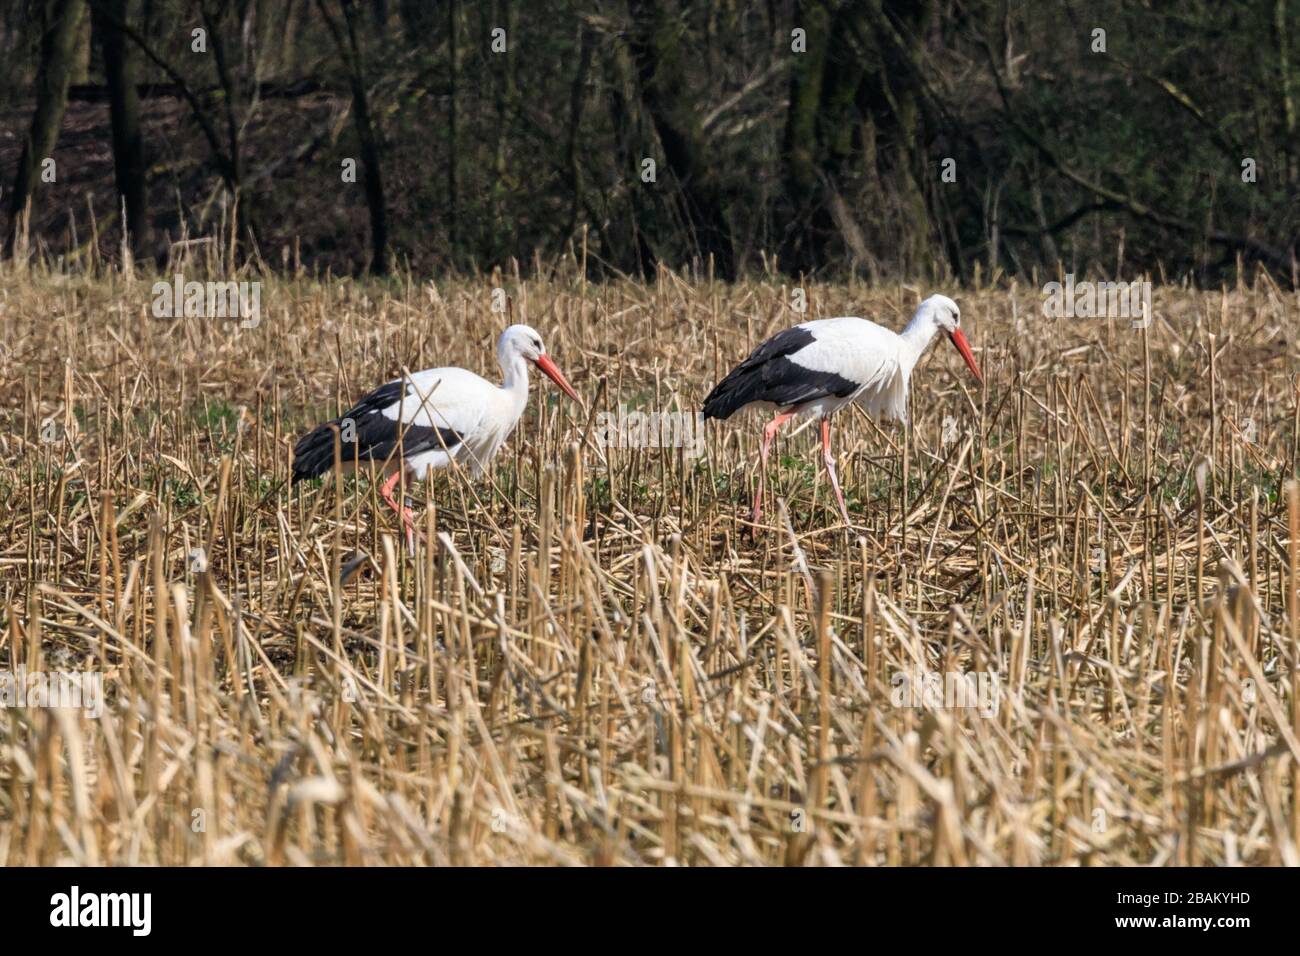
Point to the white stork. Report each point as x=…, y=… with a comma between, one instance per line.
x=818, y=367
x=430, y=419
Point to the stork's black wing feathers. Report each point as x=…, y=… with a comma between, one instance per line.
x=769, y=375
x=374, y=435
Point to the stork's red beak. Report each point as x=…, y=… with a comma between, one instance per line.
x=555, y=375
x=959, y=339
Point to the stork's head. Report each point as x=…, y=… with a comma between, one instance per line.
x=947, y=316
x=524, y=342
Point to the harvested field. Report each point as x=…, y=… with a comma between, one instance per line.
x=597, y=660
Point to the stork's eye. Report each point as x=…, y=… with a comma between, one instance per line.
x=537, y=344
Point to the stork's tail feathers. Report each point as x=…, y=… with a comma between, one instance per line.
x=728, y=396
x=313, y=456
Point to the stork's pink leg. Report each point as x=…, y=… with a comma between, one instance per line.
x=830, y=469
x=408, y=519
x=769, y=434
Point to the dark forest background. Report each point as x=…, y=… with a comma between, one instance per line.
x=888, y=138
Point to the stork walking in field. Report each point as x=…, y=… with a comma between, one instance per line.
x=430, y=419
x=818, y=367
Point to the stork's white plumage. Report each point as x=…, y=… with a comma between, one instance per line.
x=818, y=367
x=430, y=419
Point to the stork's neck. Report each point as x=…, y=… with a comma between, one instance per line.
x=918, y=335
x=515, y=380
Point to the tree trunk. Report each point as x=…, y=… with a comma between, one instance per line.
x=638, y=256
x=577, y=98
x=1286, y=74
x=656, y=41
x=418, y=20
x=504, y=94
x=350, y=53
x=800, y=153
x=128, y=143
x=893, y=95
x=232, y=95
x=58, y=58
x=451, y=132
x=819, y=144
